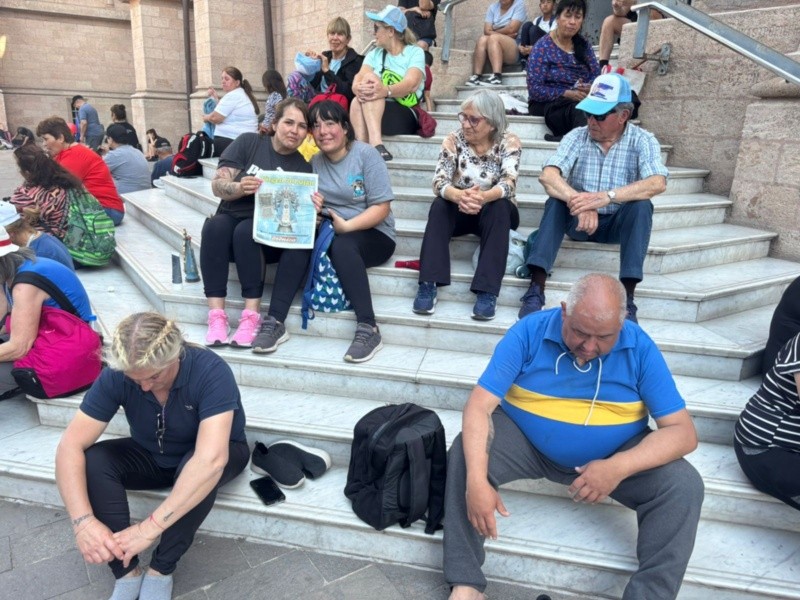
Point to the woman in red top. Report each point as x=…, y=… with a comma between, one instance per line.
x=82, y=162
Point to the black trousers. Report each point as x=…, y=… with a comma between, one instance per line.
x=220, y=143
x=492, y=224
x=772, y=471
x=351, y=255
x=114, y=466
x=227, y=239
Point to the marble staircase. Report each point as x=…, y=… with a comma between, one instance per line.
x=707, y=298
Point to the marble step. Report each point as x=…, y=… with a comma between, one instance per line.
x=440, y=379
x=534, y=152
x=672, y=250
x=728, y=347
x=670, y=210
x=326, y=421
x=511, y=85
x=708, y=292
x=405, y=172
x=525, y=126
x=544, y=543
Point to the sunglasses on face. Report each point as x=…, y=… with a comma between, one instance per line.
x=599, y=118
x=473, y=121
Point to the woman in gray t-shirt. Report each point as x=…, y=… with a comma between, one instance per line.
x=355, y=194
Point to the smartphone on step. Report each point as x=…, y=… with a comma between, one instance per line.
x=266, y=489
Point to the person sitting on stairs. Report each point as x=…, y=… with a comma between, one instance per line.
x=600, y=182
x=475, y=185
x=566, y=396
x=611, y=29
x=560, y=68
x=498, y=42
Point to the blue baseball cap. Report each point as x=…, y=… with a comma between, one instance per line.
x=606, y=92
x=391, y=16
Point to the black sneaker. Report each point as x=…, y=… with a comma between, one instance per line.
x=425, y=301
x=366, y=343
x=270, y=334
x=285, y=473
x=474, y=81
x=313, y=462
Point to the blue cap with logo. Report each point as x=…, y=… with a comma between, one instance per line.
x=606, y=92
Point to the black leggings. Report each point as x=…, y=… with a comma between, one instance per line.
x=113, y=466
x=351, y=255
x=398, y=120
x=772, y=471
x=229, y=239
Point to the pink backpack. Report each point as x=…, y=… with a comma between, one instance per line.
x=65, y=357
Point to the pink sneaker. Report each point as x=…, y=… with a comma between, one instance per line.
x=249, y=323
x=218, y=328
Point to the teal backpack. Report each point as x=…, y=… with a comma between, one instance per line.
x=323, y=291
x=90, y=231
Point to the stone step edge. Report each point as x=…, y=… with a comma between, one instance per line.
x=716, y=485
x=536, y=550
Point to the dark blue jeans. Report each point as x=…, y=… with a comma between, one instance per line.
x=629, y=227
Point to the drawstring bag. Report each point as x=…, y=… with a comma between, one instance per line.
x=427, y=124
x=65, y=356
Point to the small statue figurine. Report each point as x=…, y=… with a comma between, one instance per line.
x=189, y=262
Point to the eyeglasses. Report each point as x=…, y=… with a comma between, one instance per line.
x=161, y=429
x=599, y=118
x=473, y=121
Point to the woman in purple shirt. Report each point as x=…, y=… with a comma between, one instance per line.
x=561, y=68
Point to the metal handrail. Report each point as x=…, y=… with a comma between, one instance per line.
x=781, y=65
x=446, y=8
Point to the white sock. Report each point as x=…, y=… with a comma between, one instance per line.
x=127, y=588
x=156, y=587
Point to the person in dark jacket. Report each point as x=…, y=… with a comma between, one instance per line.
x=339, y=64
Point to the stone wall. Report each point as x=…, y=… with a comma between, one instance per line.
x=699, y=106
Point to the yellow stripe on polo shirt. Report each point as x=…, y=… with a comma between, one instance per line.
x=573, y=410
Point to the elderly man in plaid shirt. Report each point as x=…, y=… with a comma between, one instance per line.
x=600, y=182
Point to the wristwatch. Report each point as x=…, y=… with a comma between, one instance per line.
x=612, y=195
x=388, y=91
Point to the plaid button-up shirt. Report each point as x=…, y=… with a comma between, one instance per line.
x=635, y=156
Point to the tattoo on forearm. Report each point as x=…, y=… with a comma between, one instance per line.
x=167, y=516
x=223, y=184
x=81, y=519
x=490, y=437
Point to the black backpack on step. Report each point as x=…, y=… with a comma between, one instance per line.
x=193, y=147
x=397, y=468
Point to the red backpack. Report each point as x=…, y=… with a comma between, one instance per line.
x=193, y=147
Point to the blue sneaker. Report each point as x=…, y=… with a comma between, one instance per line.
x=484, y=307
x=426, y=298
x=532, y=301
x=630, y=312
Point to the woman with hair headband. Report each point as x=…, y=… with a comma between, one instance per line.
x=187, y=433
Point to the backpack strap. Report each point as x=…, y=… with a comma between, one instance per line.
x=43, y=283
x=438, y=476
x=417, y=481
x=383, y=62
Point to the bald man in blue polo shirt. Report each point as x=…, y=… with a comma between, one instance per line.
x=567, y=396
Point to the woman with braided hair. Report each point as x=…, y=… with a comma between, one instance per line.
x=187, y=432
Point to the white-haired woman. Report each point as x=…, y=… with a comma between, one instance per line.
x=187, y=433
x=475, y=184
x=390, y=83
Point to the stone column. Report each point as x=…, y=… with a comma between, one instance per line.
x=159, y=101
x=227, y=33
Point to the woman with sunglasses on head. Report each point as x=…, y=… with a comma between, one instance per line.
x=475, y=183
x=340, y=64
x=561, y=67
x=187, y=433
x=390, y=83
